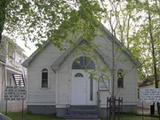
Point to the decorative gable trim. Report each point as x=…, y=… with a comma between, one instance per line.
x=56, y=65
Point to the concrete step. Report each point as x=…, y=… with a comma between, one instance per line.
x=82, y=112
x=81, y=116
x=82, y=119
x=83, y=107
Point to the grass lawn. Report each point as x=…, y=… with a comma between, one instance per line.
x=17, y=116
x=136, y=117
x=29, y=116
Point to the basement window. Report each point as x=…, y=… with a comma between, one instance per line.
x=44, y=83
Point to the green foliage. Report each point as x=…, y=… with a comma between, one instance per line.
x=128, y=21
x=147, y=28
x=3, y=4
x=55, y=19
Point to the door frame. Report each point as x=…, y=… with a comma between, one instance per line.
x=86, y=87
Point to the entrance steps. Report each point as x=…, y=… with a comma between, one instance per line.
x=83, y=119
x=82, y=113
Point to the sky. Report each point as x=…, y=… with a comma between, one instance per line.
x=28, y=47
x=27, y=50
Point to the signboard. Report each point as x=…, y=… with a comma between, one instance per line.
x=150, y=94
x=15, y=93
x=104, y=84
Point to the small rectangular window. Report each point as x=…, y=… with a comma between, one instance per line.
x=44, y=78
x=120, y=76
x=120, y=83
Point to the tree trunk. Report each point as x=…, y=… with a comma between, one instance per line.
x=153, y=48
x=2, y=16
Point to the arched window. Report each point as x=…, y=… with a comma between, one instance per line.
x=83, y=62
x=79, y=75
x=120, y=77
x=44, y=83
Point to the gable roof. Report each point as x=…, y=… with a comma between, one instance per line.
x=123, y=48
x=59, y=61
x=62, y=57
x=34, y=54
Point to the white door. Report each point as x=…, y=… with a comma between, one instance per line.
x=78, y=88
x=84, y=89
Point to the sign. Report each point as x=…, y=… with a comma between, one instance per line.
x=104, y=84
x=150, y=94
x=15, y=93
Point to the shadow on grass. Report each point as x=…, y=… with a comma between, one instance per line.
x=134, y=116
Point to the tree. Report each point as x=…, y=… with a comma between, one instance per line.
x=134, y=22
x=152, y=41
x=3, y=4
x=148, y=36
x=127, y=20
x=41, y=20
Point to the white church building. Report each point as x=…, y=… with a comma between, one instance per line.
x=77, y=77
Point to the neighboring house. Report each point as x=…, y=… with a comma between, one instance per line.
x=60, y=82
x=12, y=73
x=2, y=70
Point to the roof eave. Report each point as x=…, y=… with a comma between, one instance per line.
x=27, y=62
